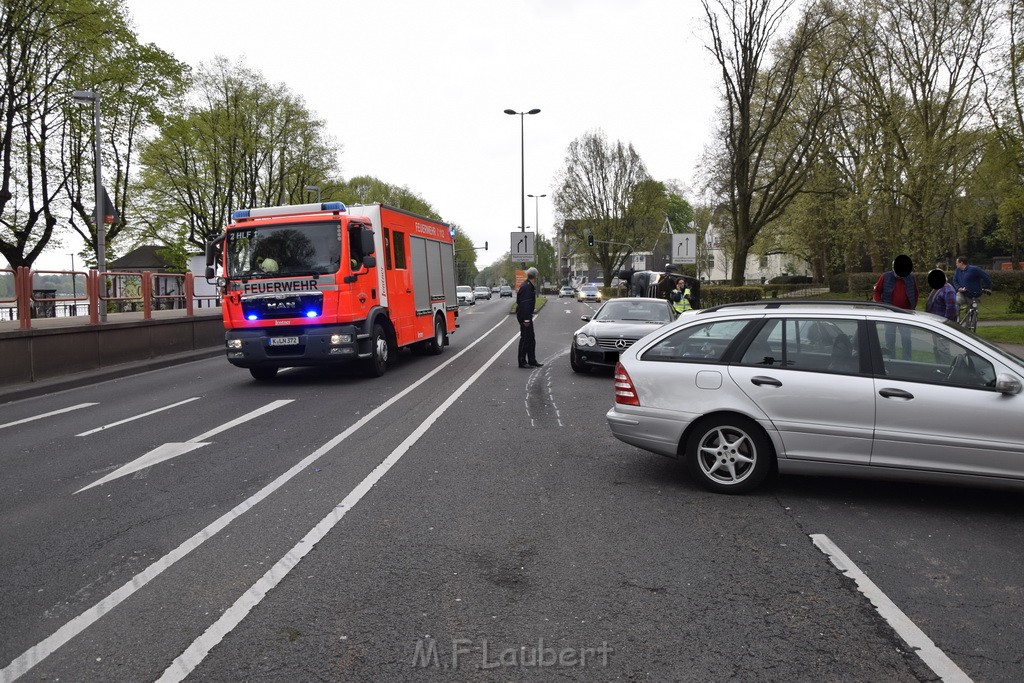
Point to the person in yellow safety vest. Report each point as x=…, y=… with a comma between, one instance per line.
x=680, y=296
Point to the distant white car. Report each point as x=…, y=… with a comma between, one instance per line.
x=465, y=295
x=589, y=293
x=482, y=293
x=566, y=291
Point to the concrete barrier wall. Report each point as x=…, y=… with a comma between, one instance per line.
x=38, y=354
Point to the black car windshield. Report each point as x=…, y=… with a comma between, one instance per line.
x=642, y=311
x=284, y=249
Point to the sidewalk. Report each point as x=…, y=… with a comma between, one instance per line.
x=16, y=392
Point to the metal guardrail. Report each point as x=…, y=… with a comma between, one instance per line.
x=106, y=292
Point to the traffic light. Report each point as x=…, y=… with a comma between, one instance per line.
x=590, y=240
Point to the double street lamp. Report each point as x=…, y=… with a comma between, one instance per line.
x=85, y=97
x=536, y=219
x=522, y=157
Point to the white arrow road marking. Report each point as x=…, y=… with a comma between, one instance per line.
x=157, y=455
x=173, y=450
x=138, y=417
x=55, y=412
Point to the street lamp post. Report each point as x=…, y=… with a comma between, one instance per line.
x=314, y=188
x=536, y=218
x=85, y=97
x=522, y=158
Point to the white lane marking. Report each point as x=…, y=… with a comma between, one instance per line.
x=157, y=455
x=37, y=653
x=195, y=653
x=936, y=659
x=138, y=417
x=273, y=405
x=50, y=414
x=173, y=450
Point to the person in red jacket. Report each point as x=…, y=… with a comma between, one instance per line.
x=899, y=288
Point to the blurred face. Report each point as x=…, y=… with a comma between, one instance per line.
x=961, y=265
x=681, y=284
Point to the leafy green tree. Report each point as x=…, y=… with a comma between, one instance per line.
x=237, y=142
x=50, y=48
x=367, y=189
x=136, y=84
x=605, y=192
x=915, y=75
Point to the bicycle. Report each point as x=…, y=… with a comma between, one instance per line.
x=969, y=320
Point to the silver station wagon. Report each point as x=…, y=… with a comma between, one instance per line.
x=822, y=387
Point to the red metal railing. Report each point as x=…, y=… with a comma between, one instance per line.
x=109, y=291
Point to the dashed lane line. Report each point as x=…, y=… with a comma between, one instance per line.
x=138, y=417
x=49, y=414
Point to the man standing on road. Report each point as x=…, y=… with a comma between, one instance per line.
x=968, y=281
x=526, y=300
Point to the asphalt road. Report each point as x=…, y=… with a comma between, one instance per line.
x=481, y=524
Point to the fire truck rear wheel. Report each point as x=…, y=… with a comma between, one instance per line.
x=377, y=364
x=263, y=374
x=435, y=346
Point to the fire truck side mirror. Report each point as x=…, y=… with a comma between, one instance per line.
x=212, y=249
x=369, y=262
x=366, y=242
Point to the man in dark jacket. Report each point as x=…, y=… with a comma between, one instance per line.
x=526, y=300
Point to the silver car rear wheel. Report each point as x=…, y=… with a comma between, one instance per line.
x=729, y=454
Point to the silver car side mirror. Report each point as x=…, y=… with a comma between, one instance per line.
x=585, y=318
x=1008, y=384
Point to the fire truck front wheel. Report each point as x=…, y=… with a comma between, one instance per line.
x=263, y=374
x=377, y=364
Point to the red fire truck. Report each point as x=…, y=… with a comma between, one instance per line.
x=321, y=284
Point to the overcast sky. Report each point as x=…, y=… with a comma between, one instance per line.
x=414, y=90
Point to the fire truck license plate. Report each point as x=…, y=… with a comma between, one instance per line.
x=284, y=341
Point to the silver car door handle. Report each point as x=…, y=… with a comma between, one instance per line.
x=761, y=380
x=894, y=393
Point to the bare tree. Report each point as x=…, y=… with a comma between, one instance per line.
x=775, y=101
x=605, y=192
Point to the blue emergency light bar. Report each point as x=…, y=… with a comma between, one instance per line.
x=290, y=209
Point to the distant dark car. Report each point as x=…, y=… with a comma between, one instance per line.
x=505, y=291
x=614, y=328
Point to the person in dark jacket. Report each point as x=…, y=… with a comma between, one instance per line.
x=526, y=301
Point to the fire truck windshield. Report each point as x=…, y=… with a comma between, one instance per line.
x=284, y=249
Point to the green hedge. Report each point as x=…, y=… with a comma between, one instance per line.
x=713, y=295
x=839, y=283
